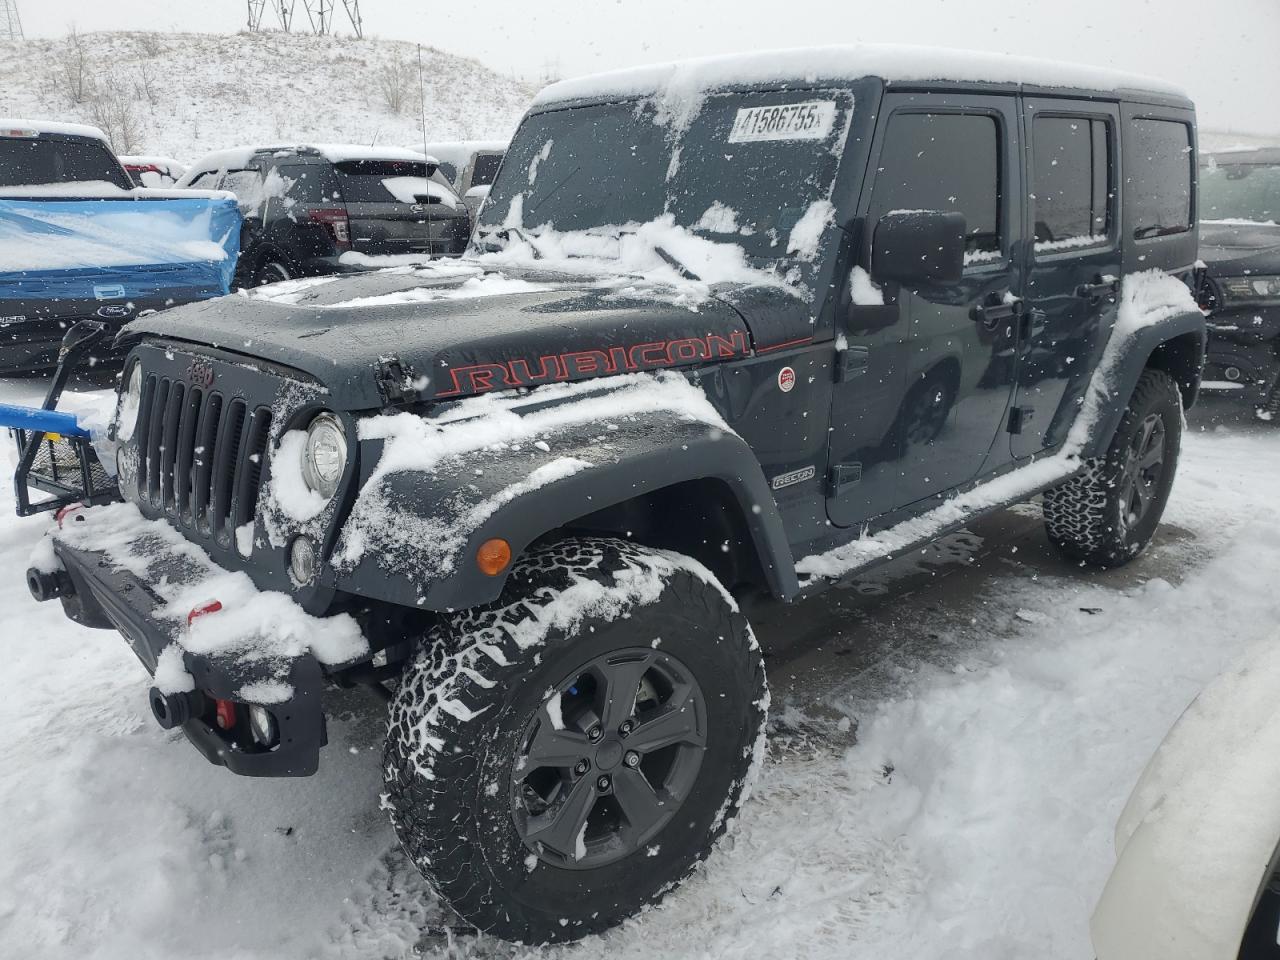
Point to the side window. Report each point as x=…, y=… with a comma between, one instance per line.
x=245, y=184
x=306, y=183
x=204, y=181
x=947, y=162
x=1159, y=186
x=1071, y=182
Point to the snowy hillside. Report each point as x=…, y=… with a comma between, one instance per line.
x=181, y=95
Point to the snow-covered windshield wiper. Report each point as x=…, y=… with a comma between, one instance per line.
x=675, y=264
x=507, y=234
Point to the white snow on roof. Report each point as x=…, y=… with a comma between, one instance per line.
x=235, y=158
x=52, y=126
x=463, y=147
x=893, y=62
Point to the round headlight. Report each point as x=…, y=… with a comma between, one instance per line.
x=130, y=403
x=324, y=457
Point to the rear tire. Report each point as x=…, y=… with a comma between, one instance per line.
x=271, y=271
x=562, y=757
x=1107, y=514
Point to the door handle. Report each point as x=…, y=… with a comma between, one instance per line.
x=1099, y=288
x=995, y=308
x=852, y=362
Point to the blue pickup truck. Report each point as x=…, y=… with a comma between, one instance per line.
x=79, y=241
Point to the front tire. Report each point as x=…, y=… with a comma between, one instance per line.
x=271, y=271
x=564, y=756
x=1108, y=513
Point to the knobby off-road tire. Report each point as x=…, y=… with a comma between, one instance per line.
x=561, y=758
x=271, y=270
x=1107, y=514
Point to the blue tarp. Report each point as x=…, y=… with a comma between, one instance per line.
x=117, y=248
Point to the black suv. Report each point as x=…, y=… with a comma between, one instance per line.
x=536, y=492
x=1240, y=292
x=308, y=209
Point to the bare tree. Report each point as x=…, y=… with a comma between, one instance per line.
x=114, y=111
x=145, y=87
x=395, y=83
x=71, y=73
x=151, y=44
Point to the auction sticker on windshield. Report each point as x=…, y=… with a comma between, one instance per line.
x=788, y=121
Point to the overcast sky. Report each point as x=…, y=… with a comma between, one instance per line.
x=1224, y=53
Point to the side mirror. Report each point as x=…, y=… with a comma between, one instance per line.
x=918, y=246
x=82, y=335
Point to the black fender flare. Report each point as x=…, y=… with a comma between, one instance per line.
x=411, y=555
x=1175, y=344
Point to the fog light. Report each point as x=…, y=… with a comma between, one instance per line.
x=302, y=560
x=1232, y=373
x=263, y=725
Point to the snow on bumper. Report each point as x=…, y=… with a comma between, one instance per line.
x=144, y=578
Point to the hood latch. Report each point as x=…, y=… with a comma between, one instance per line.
x=396, y=382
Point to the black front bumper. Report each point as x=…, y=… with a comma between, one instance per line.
x=1244, y=352
x=96, y=593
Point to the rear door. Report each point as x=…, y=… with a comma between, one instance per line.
x=1071, y=289
x=393, y=207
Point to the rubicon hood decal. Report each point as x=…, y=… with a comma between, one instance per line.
x=454, y=348
x=583, y=364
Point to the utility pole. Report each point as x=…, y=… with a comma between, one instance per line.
x=319, y=15
x=283, y=9
x=10, y=21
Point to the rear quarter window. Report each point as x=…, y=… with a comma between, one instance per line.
x=1159, y=183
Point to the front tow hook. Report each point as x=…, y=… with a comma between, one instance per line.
x=174, y=709
x=49, y=586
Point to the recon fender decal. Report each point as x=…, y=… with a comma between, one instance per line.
x=795, y=476
x=583, y=364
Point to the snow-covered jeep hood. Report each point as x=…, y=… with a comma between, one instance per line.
x=481, y=331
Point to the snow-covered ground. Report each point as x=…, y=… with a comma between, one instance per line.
x=953, y=741
x=185, y=94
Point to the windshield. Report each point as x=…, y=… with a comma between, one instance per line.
x=31, y=161
x=755, y=170
x=1240, y=191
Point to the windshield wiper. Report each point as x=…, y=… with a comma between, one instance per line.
x=679, y=267
x=554, y=190
x=507, y=233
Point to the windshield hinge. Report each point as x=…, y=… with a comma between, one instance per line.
x=396, y=382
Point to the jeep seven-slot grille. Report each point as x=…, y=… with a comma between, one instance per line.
x=200, y=456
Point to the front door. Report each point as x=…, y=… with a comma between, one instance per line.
x=1071, y=289
x=925, y=408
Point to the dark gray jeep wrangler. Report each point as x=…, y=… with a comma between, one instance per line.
x=728, y=331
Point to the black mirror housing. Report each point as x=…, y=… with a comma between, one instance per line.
x=918, y=246
x=83, y=333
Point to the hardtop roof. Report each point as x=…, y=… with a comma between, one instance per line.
x=893, y=63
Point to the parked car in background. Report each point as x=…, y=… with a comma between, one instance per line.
x=79, y=241
x=470, y=165
x=154, y=171
x=318, y=209
x=1240, y=290
x=1197, y=874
